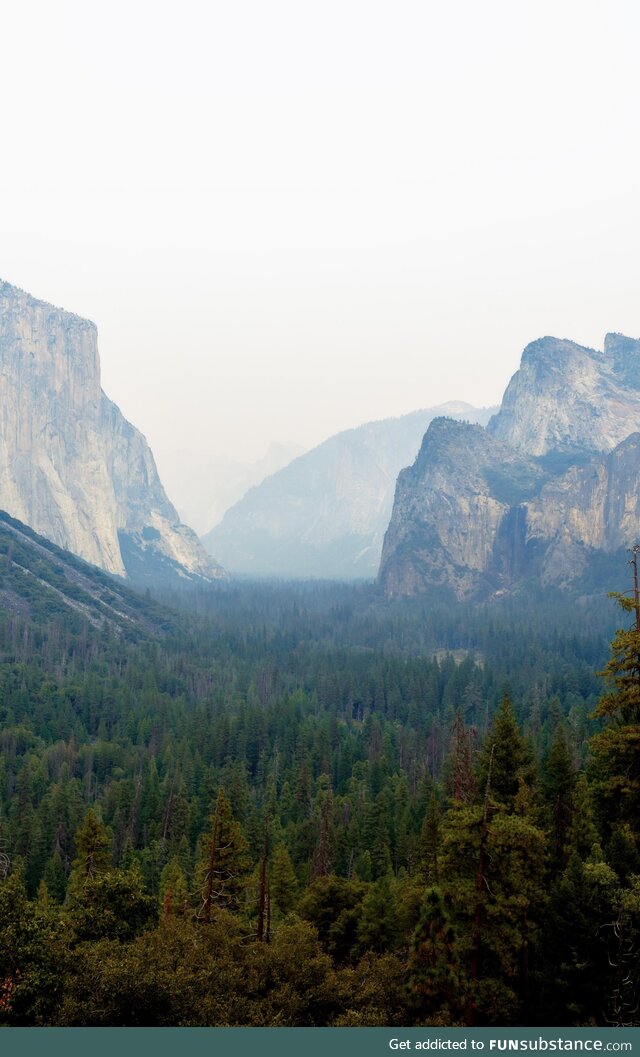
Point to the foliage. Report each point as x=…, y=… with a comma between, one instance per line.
x=424, y=848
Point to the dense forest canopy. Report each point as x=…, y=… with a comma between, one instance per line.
x=302, y=804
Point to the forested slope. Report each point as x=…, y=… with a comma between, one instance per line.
x=308, y=806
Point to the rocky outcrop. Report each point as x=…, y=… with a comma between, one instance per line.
x=455, y=518
x=567, y=399
x=552, y=482
x=325, y=514
x=594, y=507
x=71, y=466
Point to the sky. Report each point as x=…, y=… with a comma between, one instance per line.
x=288, y=218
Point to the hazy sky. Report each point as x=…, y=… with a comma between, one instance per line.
x=288, y=218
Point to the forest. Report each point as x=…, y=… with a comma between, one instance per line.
x=278, y=804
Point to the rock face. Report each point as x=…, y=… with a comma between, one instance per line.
x=325, y=514
x=594, y=507
x=553, y=481
x=569, y=399
x=452, y=522
x=71, y=466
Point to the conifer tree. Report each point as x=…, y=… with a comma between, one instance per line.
x=321, y=861
x=616, y=749
x=430, y=842
x=493, y=874
x=54, y=878
x=558, y=780
x=582, y=833
x=377, y=928
x=460, y=780
x=284, y=882
x=433, y=961
x=93, y=854
x=511, y=757
x=174, y=893
x=221, y=872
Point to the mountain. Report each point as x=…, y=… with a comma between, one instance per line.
x=552, y=484
x=568, y=399
x=203, y=487
x=325, y=514
x=450, y=509
x=71, y=466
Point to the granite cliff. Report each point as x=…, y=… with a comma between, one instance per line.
x=71, y=466
x=452, y=512
x=551, y=483
x=568, y=399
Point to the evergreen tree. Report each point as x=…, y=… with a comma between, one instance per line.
x=222, y=870
x=378, y=928
x=433, y=965
x=582, y=833
x=174, y=891
x=616, y=749
x=558, y=780
x=460, y=780
x=510, y=755
x=430, y=842
x=93, y=856
x=284, y=882
x=54, y=878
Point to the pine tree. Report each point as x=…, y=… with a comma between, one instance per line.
x=458, y=768
x=558, y=780
x=93, y=855
x=582, y=833
x=430, y=842
x=511, y=757
x=174, y=893
x=54, y=878
x=493, y=877
x=378, y=928
x=433, y=961
x=616, y=749
x=284, y=882
x=321, y=861
x=222, y=870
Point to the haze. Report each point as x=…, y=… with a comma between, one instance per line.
x=290, y=218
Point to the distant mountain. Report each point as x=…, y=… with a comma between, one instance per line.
x=71, y=466
x=325, y=514
x=203, y=487
x=549, y=488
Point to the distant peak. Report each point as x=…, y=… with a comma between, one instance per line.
x=454, y=407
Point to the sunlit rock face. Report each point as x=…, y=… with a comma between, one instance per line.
x=553, y=481
x=71, y=466
x=451, y=510
x=566, y=398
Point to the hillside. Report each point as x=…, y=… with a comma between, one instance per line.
x=40, y=582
